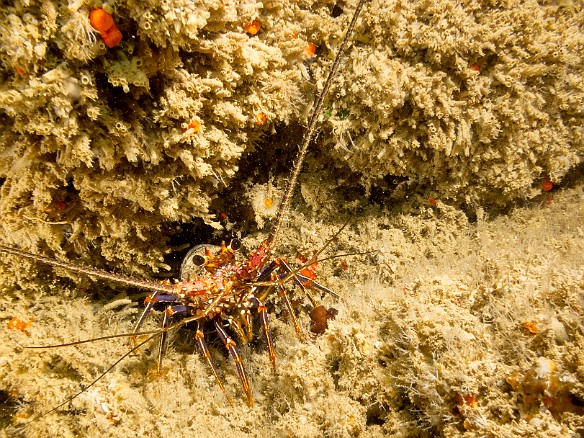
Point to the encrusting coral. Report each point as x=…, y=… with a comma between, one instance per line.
x=476, y=102
x=96, y=150
x=450, y=323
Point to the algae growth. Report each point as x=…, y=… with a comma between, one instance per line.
x=457, y=321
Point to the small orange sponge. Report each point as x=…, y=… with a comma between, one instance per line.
x=103, y=22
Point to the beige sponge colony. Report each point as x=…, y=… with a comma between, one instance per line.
x=471, y=104
x=119, y=128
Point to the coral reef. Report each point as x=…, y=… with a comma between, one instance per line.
x=455, y=321
x=473, y=102
x=98, y=153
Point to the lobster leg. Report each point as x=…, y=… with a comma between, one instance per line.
x=286, y=301
x=236, y=327
x=236, y=355
x=265, y=288
x=150, y=301
x=305, y=282
x=163, y=338
x=302, y=280
x=263, y=311
x=247, y=322
x=168, y=312
x=200, y=337
x=149, y=306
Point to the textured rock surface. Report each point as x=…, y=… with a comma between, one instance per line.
x=445, y=114
x=473, y=103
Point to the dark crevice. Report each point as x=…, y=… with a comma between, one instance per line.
x=8, y=407
x=376, y=414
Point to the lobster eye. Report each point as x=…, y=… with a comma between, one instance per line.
x=198, y=260
x=235, y=244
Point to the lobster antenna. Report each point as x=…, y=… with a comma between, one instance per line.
x=85, y=388
x=98, y=273
x=309, y=135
